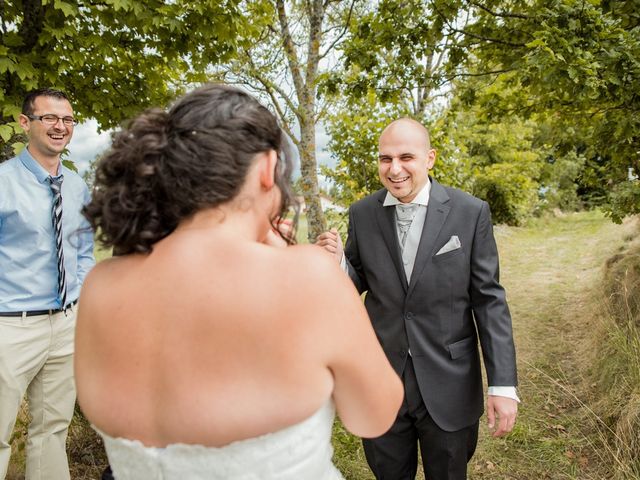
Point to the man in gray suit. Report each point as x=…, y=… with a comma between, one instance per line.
x=426, y=256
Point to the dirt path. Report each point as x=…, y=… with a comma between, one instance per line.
x=551, y=271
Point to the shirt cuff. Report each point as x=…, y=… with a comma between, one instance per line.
x=509, y=392
x=343, y=264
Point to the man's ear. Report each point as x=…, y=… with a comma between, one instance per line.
x=268, y=169
x=24, y=122
x=431, y=158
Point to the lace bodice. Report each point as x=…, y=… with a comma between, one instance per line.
x=301, y=451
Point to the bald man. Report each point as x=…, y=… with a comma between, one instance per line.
x=426, y=256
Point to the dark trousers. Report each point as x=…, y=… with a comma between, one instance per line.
x=394, y=455
x=107, y=474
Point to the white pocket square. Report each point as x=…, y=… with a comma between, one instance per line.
x=452, y=244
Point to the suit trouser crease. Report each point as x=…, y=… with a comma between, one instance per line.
x=36, y=358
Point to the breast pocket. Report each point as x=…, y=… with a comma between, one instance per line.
x=444, y=256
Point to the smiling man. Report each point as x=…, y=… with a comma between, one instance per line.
x=46, y=250
x=426, y=256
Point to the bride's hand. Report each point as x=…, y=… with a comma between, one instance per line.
x=274, y=238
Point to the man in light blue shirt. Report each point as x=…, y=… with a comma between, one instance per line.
x=46, y=250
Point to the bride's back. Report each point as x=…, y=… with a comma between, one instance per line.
x=202, y=331
x=206, y=340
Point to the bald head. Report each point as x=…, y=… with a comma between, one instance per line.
x=408, y=127
x=405, y=157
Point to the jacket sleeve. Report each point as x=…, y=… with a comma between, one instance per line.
x=352, y=257
x=489, y=304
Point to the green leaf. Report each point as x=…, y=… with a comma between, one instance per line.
x=68, y=9
x=6, y=132
x=6, y=65
x=18, y=147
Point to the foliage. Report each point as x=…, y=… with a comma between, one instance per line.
x=293, y=52
x=624, y=200
x=577, y=63
x=558, y=181
x=113, y=57
x=571, y=67
x=354, y=132
x=510, y=193
x=398, y=49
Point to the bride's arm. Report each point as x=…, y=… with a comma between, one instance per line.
x=367, y=391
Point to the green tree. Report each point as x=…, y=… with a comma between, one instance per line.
x=575, y=62
x=294, y=51
x=354, y=132
x=572, y=67
x=399, y=50
x=113, y=57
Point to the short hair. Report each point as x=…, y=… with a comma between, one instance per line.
x=30, y=98
x=166, y=166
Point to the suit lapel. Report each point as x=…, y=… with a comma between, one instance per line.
x=385, y=217
x=437, y=213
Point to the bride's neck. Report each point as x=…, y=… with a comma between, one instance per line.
x=241, y=223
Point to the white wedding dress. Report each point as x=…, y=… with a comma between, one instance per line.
x=299, y=452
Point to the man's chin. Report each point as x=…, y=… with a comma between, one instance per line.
x=400, y=193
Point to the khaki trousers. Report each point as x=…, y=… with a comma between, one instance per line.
x=36, y=358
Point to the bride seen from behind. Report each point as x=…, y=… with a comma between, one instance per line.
x=202, y=351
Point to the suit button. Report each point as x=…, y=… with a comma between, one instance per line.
x=408, y=316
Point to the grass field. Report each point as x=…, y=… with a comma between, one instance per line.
x=552, y=270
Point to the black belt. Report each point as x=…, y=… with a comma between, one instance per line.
x=33, y=313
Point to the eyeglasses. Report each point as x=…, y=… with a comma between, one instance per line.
x=51, y=119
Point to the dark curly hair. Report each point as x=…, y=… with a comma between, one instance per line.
x=168, y=165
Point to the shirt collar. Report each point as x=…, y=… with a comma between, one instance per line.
x=422, y=198
x=34, y=167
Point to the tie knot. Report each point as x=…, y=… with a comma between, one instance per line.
x=56, y=183
x=406, y=211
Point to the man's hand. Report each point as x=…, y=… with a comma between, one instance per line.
x=505, y=409
x=331, y=242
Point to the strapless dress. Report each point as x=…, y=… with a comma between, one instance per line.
x=301, y=451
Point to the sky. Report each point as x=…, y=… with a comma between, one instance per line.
x=87, y=144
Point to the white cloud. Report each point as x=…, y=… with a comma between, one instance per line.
x=87, y=144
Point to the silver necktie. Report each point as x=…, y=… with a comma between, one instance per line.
x=56, y=218
x=405, y=213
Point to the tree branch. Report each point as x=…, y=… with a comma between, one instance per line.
x=32, y=24
x=479, y=74
x=270, y=87
x=313, y=46
x=501, y=14
x=474, y=35
x=344, y=31
x=289, y=48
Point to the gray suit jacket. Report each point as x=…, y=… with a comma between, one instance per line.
x=453, y=300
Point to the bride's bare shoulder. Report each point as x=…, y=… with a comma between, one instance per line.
x=309, y=268
x=312, y=259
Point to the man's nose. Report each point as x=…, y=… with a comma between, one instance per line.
x=395, y=166
x=59, y=124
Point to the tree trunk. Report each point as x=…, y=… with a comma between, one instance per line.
x=309, y=181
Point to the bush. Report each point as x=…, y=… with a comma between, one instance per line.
x=624, y=200
x=510, y=192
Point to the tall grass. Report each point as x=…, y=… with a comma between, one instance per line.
x=616, y=372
